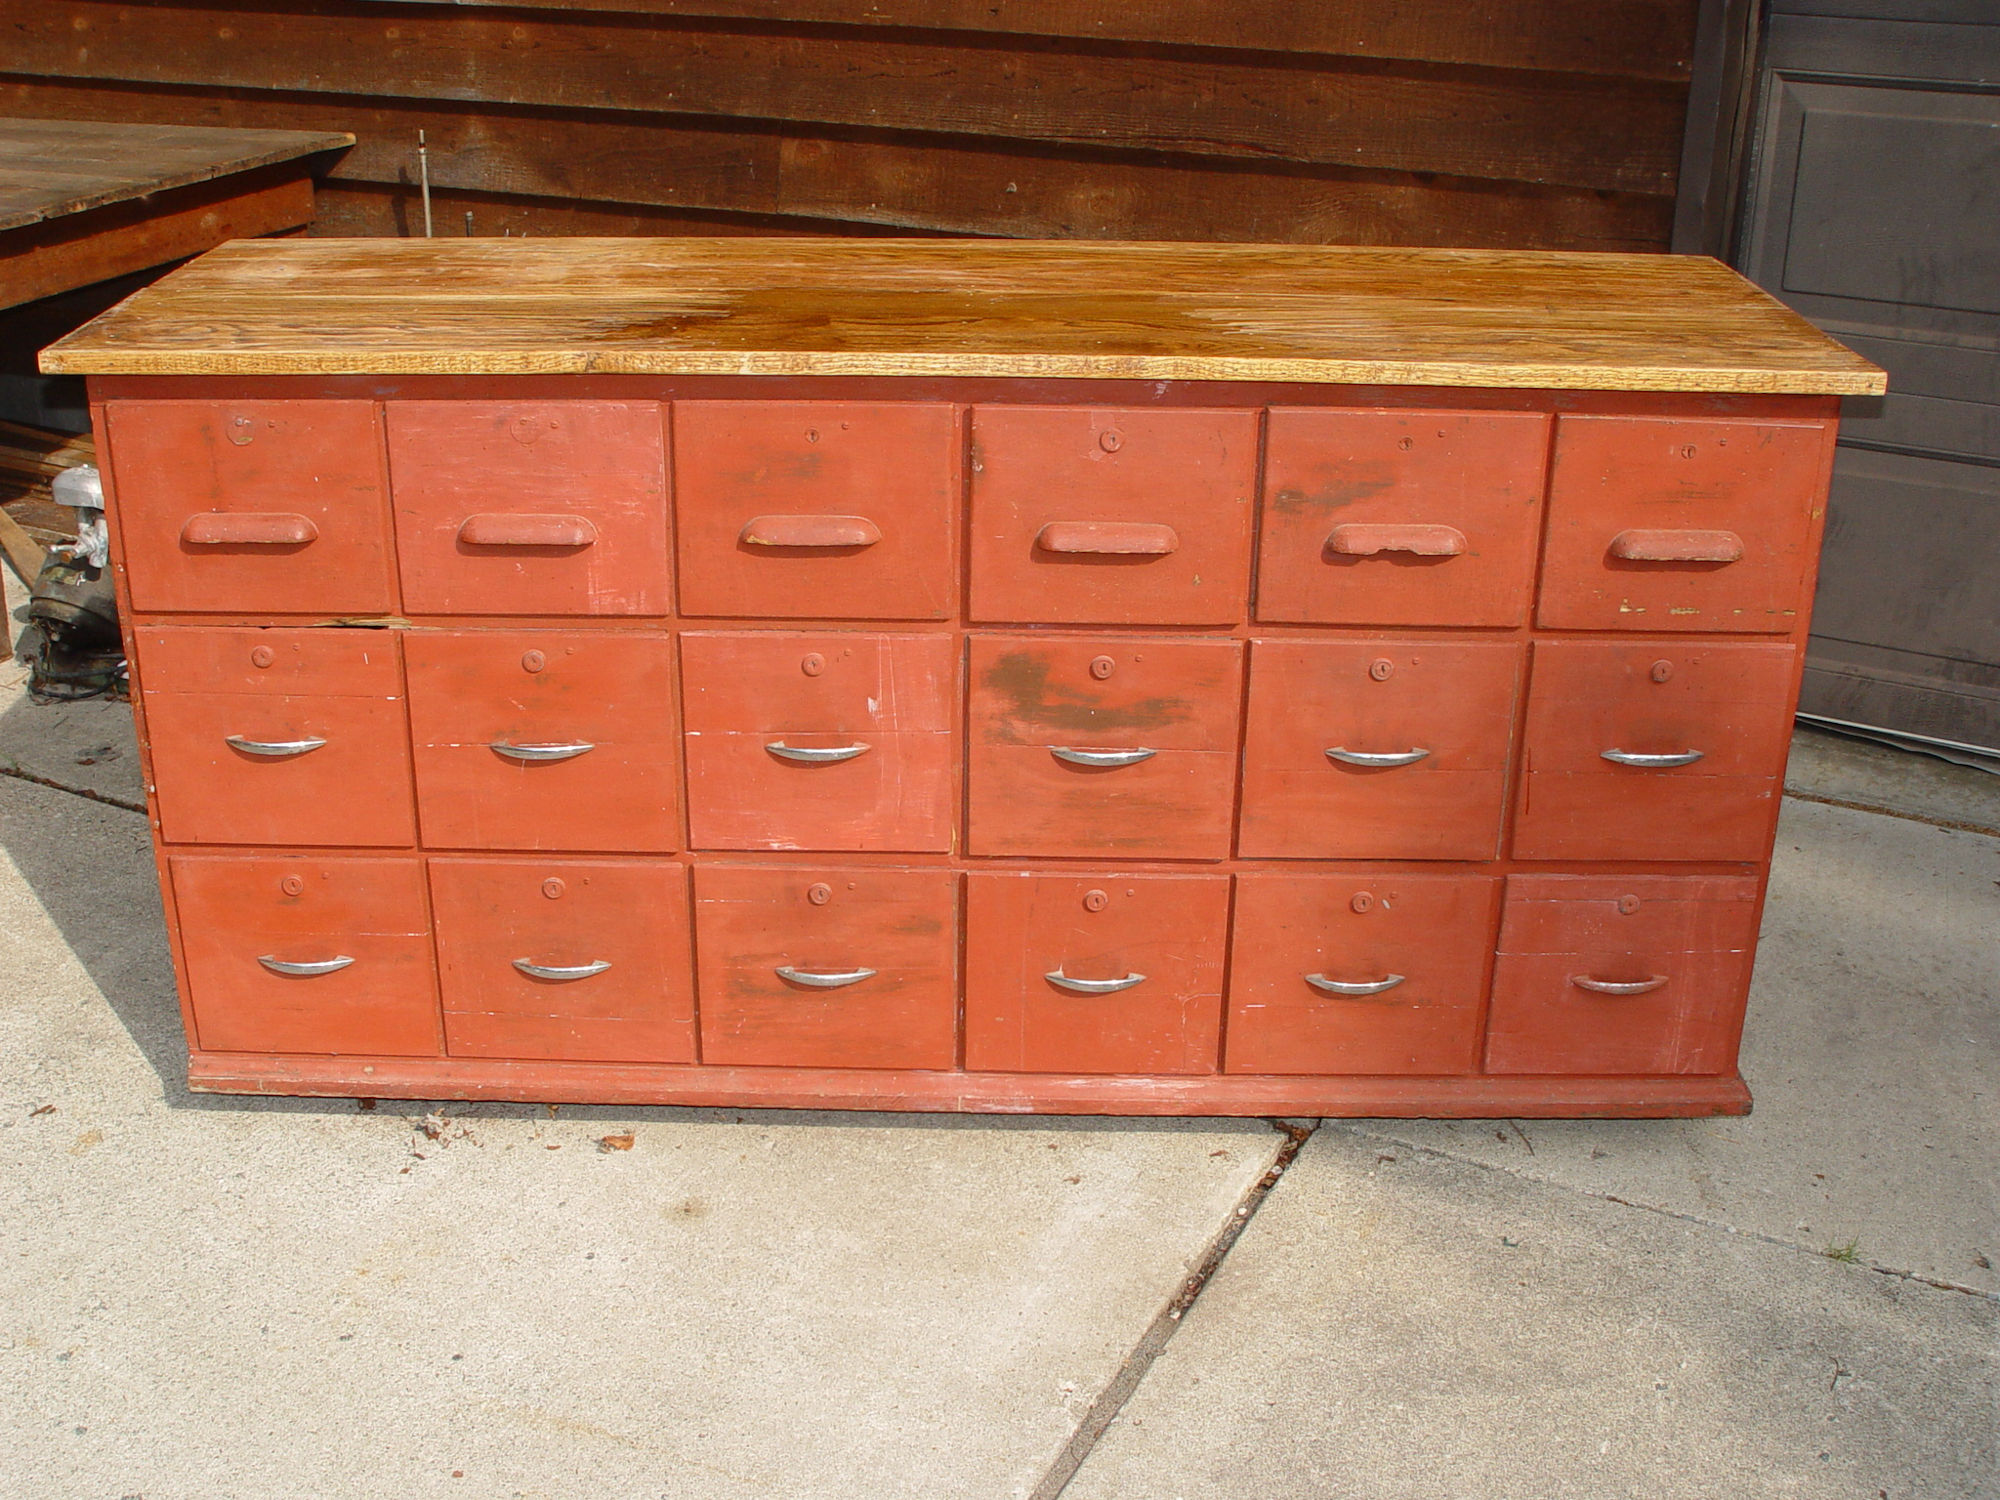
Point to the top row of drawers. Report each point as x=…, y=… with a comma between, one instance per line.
x=850, y=510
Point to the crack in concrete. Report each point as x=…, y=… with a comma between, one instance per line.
x=1937, y=1283
x=75, y=791
x=1126, y=1379
x=1895, y=812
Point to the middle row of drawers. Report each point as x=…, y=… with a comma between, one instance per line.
x=1129, y=748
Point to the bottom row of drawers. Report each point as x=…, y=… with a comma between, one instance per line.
x=1064, y=973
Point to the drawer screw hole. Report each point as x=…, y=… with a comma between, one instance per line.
x=1110, y=440
x=553, y=888
x=1662, y=670
x=1102, y=667
x=819, y=893
x=1627, y=905
x=1095, y=901
x=1363, y=901
x=533, y=661
x=1406, y=444
x=262, y=656
x=813, y=665
x=1688, y=451
x=812, y=434
x=1381, y=669
x=291, y=885
x=239, y=431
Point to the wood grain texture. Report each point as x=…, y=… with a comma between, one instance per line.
x=895, y=307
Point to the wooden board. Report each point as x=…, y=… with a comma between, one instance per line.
x=1025, y=308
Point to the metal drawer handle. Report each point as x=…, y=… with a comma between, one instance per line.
x=1618, y=986
x=1678, y=546
x=1640, y=758
x=809, y=755
x=1352, y=988
x=271, y=749
x=822, y=979
x=1376, y=757
x=1109, y=538
x=562, y=971
x=810, y=531
x=503, y=530
x=248, y=529
x=567, y=751
x=305, y=970
x=1100, y=757
x=1062, y=981
x=1357, y=540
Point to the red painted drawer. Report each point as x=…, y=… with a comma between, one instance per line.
x=820, y=741
x=1400, y=517
x=497, y=719
x=1111, y=516
x=1359, y=973
x=266, y=736
x=1158, y=717
x=311, y=911
x=252, y=506
x=821, y=509
x=1658, y=523
x=1331, y=768
x=1094, y=973
x=563, y=959
x=881, y=944
x=1593, y=706
x=1622, y=974
x=531, y=508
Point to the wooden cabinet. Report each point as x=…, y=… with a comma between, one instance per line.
x=1363, y=690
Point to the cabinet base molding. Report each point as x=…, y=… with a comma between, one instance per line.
x=1476, y=1097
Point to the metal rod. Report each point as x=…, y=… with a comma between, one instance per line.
x=424, y=179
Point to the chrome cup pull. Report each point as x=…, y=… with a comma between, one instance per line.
x=1618, y=986
x=1640, y=758
x=272, y=749
x=822, y=979
x=307, y=969
x=812, y=755
x=568, y=750
x=561, y=971
x=1375, y=757
x=1062, y=981
x=1353, y=989
x=1100, y=757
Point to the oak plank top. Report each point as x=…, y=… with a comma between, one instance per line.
x=1027, y=308
x=51, y=168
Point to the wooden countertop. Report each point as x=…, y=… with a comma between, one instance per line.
x=1072, y=308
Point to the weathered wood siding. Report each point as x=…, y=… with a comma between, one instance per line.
x=1529, y=123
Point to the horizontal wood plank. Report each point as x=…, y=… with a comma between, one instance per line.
x=1074, y=309
x=1548, y=128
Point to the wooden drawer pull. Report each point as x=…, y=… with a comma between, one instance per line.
x=1100, y=757
x=1357, y=539
x=1618, y=986
x=1353, y=989
x=822, y=979
x=1655, y=762
x=1375, y=757
x=1678, y=546
x=1109, y=538
x=502, y=530
x=1062, y=981
x=309, y=969
x=813, y=755
x=810, y=531
x=217, y=528
x=271, y=749
x=561, y=971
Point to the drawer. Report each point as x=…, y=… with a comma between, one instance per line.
x=544, y=739
x=1116, y=517
x=1610, y=729
x=1377, y=749
x=825, y=967
x=566, y=960
x=1083, y=746
x=1658, y=523
x=1622, y=974
x=530, y=508
x=822, y=509
x=1361, y=973
x=1400, y=517
x=1094, y=973
x=820, y=741
x=252, y=507
x=306, y=953
x=266, y=736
